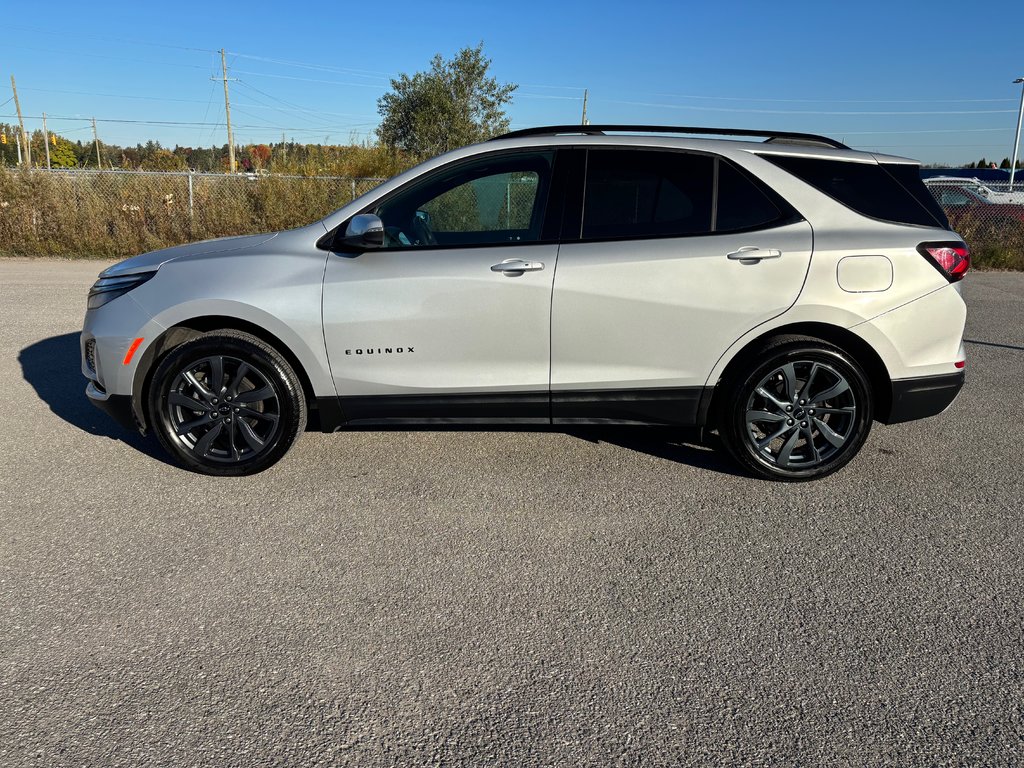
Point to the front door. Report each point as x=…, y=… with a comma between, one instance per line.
x=450, y=321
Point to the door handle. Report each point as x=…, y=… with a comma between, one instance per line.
x=516, y=267
x=753, y=253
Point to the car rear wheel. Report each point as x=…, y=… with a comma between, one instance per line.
x=799, y=409
x=226, y=403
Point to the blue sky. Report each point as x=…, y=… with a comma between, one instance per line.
x=931, y=80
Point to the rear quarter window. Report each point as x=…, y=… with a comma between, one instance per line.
x=888, y=192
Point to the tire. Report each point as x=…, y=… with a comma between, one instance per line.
x=779, y=428
x=240, y=425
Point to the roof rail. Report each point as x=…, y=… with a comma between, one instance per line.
x=779, y=137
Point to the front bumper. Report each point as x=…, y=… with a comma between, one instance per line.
x=924, y=396
x=118, y=407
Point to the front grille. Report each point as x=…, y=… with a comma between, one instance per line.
x=90, y=355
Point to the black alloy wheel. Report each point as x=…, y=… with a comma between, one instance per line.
x=226, y=403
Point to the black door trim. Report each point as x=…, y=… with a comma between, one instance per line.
x=669, y=406
x=661, y=406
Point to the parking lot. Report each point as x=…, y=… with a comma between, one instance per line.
x=508, y=598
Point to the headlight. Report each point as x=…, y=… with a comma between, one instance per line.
x=109, y=288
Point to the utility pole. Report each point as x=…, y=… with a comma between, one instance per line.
x=46, y=142
x=585, y=121
x=96, y=141
x=227, y=110
x=1016, y=136
x=21, y=124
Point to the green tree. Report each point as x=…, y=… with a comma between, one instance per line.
x=62, y=153
x=162, y=160
x=453, y=104
x=1005, y=164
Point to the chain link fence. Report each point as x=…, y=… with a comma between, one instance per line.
x=121, y=213
x=989, y=215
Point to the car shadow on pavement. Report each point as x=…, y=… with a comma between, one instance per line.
x=993, y=344
x=683, y=446
x=52, y=367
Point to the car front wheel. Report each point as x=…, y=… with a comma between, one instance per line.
x=226, y=403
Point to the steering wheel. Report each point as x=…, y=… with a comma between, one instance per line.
x=421, y=232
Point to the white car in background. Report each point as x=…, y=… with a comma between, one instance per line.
x=937, y=185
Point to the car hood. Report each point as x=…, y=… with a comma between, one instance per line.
x=148, y=262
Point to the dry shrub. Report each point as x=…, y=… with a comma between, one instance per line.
x=995, y=237
x=120, y=214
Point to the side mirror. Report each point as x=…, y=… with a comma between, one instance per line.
x=364, y=232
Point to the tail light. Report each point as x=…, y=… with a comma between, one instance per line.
x=951, y=259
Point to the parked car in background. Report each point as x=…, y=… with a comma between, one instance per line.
x=954, y=190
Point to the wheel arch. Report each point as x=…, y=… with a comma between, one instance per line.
x=863, y=353
x=186, y=330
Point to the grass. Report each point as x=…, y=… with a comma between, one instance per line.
x=115, y=215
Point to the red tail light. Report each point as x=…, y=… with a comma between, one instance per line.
x=951, y=259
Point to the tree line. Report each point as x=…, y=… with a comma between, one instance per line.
x=364, y=159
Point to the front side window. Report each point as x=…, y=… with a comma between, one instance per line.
x=491, y=201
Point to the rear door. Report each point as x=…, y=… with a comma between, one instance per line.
x=678, y=255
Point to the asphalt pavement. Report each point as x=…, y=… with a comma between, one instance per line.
x=469, y=598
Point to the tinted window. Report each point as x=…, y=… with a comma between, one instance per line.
x=909, y=177
x=742, y=204
x=486, y=202
x=867, y=188
x=633, y=193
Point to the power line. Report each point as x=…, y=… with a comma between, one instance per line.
x=113, y=95
x=308, y=79
x=108, y=39
x=188, y=123
x=319, y=67
x=807, y=112
x=825, y=101
x=292, y=109
x=131, y=59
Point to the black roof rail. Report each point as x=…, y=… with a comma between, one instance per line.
x=778, y=137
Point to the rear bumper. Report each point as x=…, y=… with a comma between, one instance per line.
x=922, y=397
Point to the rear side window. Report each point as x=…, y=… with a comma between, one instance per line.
x=909, y=177
x=742, y=203
x=643, y=194
x=886, y=192
x=634, y=193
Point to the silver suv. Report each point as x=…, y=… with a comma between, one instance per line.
x=785, y=293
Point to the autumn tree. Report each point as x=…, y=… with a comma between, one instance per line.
x=259, y=154
x=452, y=104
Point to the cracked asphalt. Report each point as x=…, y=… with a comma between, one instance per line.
x=508, y=598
